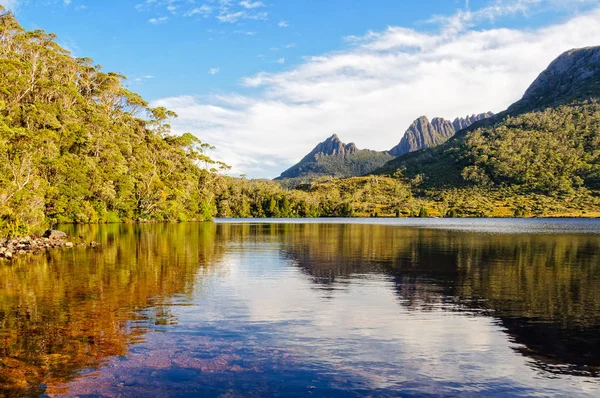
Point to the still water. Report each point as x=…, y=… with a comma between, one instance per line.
x=308, y=308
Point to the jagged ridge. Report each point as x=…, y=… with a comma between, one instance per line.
x=424, y=134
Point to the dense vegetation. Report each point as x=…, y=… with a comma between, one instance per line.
x=552, y=152
x=77, y=146
x=357, y=196
x=557, y=150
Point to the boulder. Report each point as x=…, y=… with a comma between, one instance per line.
x=53, y=234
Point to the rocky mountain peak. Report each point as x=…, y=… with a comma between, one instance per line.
x=334, y=158
x=573, y=76
x=333, y=146
x=425, y=134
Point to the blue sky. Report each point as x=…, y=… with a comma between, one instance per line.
x=265, y=81
x=131, y=37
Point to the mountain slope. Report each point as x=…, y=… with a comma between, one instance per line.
x=573, y=76
x=333, y=158
x=424, y=134
x=549, y=141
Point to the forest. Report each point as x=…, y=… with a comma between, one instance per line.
x=77, y=146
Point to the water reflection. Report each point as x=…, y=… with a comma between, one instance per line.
x=296, y=309
x=544, y=288
x=73, y=310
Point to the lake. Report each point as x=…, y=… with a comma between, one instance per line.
x=367, y=307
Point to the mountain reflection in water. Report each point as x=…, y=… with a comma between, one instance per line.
x=325, y=309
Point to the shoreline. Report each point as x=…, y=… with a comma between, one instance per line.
x=12, y=248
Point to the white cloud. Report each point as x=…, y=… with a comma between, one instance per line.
x=251, y=4
x=371, y=92
x=204, y=10
x=226, y=11
x=281, y=61
x=66, y=2
x=213, y=71
x=244, y=32
x=283, y=24
x=157, y=21
x=233, y=17
x=140, y=79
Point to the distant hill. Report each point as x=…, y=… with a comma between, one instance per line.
x=424, y=134
x=549, y=141
x=333, y=158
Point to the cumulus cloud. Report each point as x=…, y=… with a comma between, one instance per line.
x=371, y=92
x=213, y=71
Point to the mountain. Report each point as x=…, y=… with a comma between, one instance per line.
x=424, y=134
x=549, y=141
x=573, y=76
x=333, y=158
x=462, y=123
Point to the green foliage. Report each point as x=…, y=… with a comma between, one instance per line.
x=350, y=197
x=77, y=146
x=556, y=150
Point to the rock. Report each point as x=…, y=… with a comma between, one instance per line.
x=425, y=134
x=53, y=234
x=94, y=244
x=334, y=158
x=573, y=76
x=69, y=245
x=8, y=255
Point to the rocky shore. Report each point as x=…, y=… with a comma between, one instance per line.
x=51, y=239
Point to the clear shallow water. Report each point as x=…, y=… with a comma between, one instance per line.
x=317, y=308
